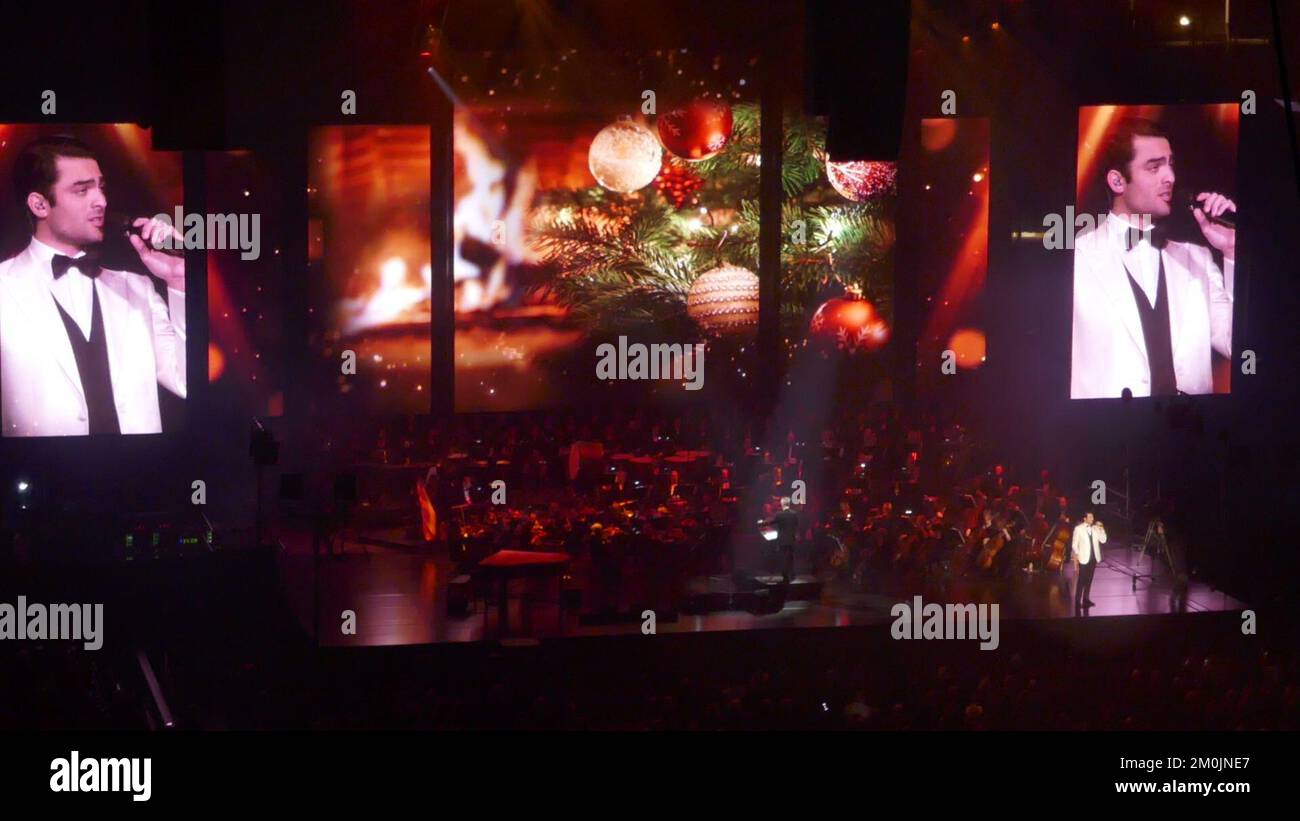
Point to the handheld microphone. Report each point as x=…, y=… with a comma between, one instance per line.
x=1228, y=219
x=122, y=223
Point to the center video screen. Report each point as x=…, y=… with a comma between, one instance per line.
x=582, y=232
x=368, y=249
x=1154, y=240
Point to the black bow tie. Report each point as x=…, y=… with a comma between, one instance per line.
x=1153, y=235
x=87, y=264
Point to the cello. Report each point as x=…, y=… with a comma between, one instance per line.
x=993, y=544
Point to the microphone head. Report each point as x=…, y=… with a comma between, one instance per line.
x=117, y=221
x=1227, y=218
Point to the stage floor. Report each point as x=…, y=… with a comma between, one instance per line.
x=401, y=596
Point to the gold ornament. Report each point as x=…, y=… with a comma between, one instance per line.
x=724, y=301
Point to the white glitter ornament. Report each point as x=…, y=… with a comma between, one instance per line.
x=625, y=156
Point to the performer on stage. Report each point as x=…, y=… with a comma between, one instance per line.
x=1147, y=313
x=1089, y=536
x=787, y=530
x=83, y=349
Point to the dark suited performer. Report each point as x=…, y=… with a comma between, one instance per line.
x=787, y=532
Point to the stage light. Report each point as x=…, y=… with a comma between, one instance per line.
x=22, y=487
x=977, y=177
x=1184, y=21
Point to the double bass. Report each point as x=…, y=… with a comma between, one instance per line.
x=1060, y=543
x=1038, y=531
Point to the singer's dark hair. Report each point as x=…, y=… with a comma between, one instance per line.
x=37, y=168
x=1117, y=151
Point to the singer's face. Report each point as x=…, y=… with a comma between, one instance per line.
x=1149, y=188
x=77, y=208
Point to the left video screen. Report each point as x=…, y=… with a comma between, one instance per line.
x=92, y=282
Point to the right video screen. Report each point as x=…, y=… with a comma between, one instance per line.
x=1154, y=240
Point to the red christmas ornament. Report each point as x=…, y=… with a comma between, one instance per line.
x=861, y=180
x=850, y=324
x=698, y=130
x=677, y=183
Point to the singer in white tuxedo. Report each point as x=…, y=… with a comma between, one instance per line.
x=83, y=348
x=1089, y=536
x=1148, y=313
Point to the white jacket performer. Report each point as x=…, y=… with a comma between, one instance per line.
x=1089, y=536
x=83, y=349
x=1148, y=314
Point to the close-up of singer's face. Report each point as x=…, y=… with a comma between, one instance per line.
x=1148, y=185
x=74, y=212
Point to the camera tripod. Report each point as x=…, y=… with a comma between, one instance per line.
x=1158, y=545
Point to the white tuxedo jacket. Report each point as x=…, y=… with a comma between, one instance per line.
x=40, y=386
x=1109, y=351
x=1081, y=546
